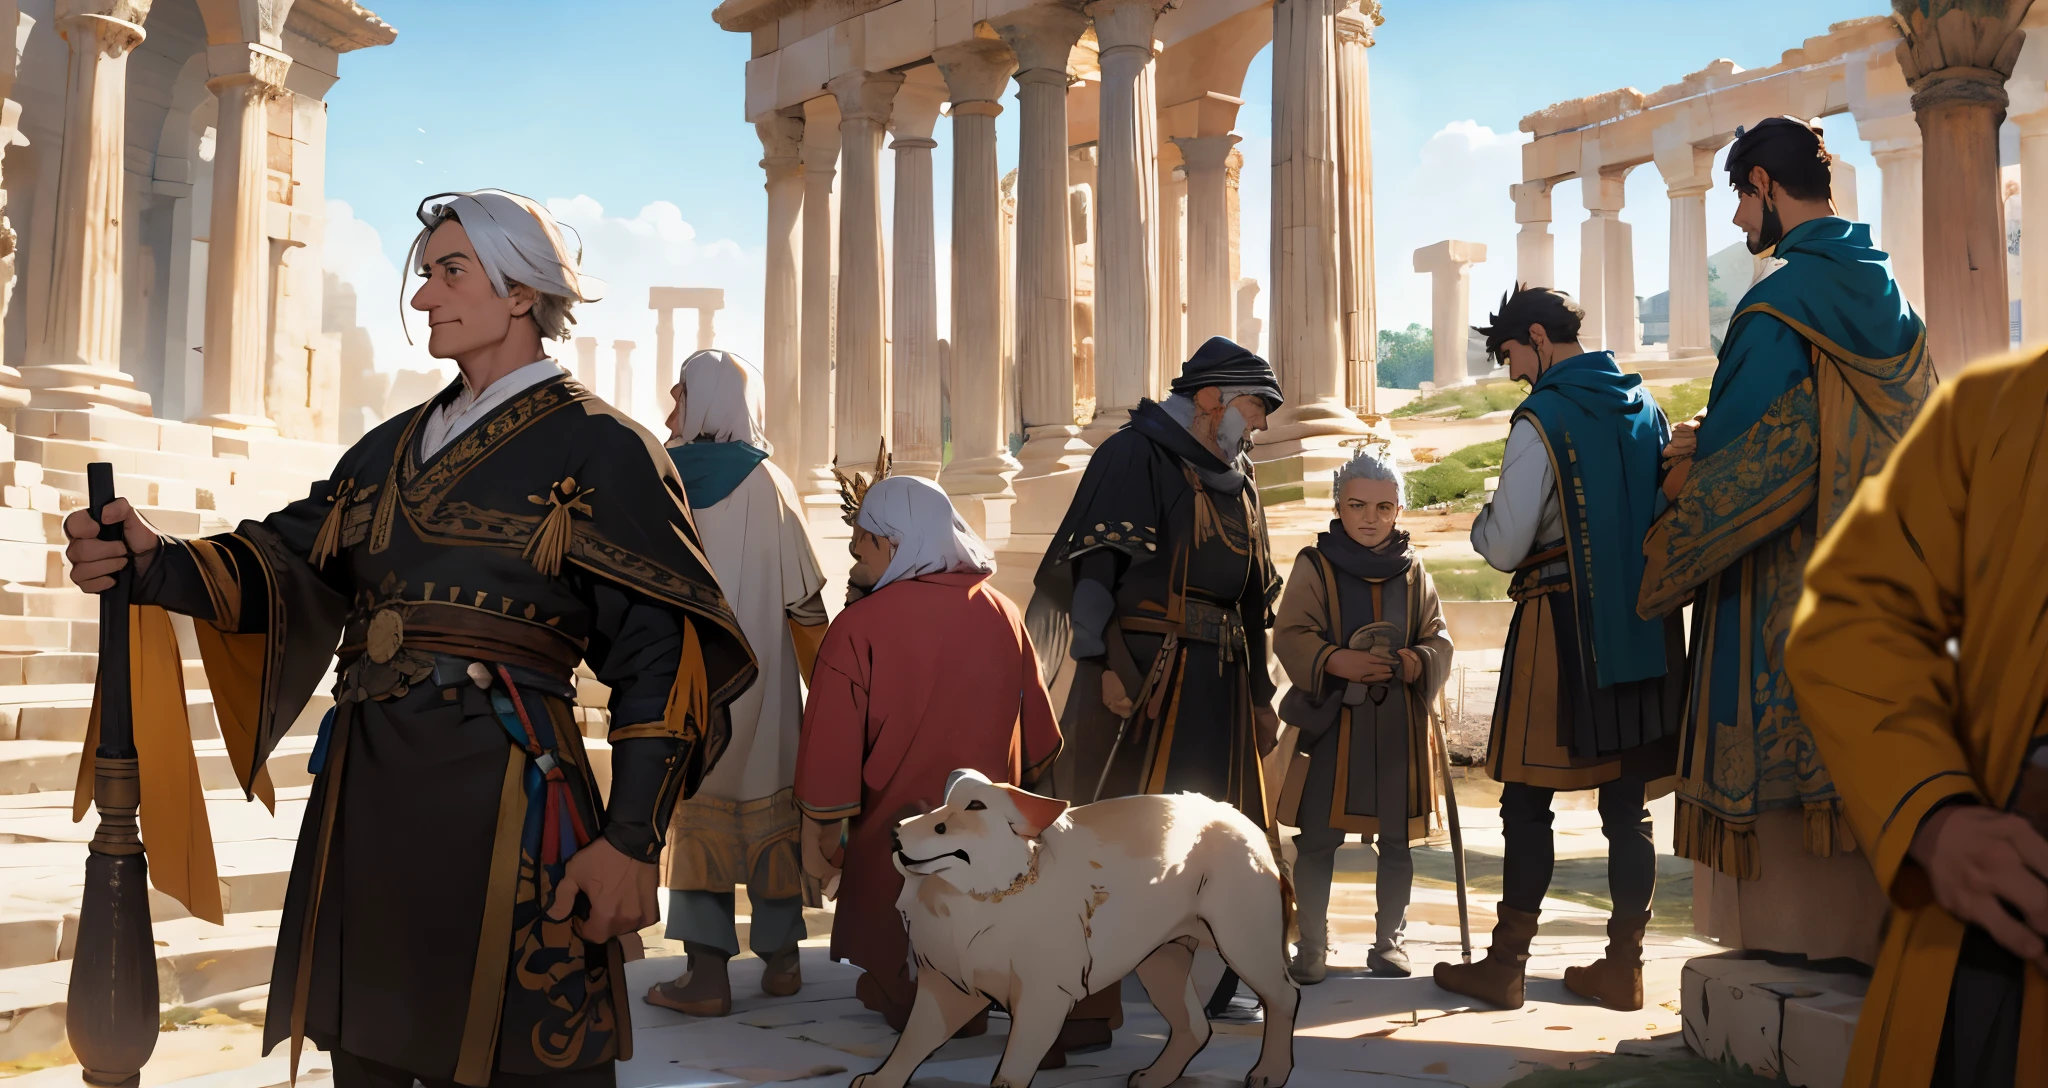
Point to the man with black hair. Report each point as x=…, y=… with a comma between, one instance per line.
x=1823, y=369
x=1590, y=693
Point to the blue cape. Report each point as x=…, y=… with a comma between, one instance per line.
x=711, y=470
x=1605, y=436
x=1839, y=287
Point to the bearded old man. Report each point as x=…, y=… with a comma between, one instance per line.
x=742, y=827
x=1160, y=584
x=1824, y=367
x=927, y=671
x=460, y=882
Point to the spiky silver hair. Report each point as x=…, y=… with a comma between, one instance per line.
x=1373, y=462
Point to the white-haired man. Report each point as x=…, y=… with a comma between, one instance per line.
x=460, y=886
x=928, y=671
x=1361, y=633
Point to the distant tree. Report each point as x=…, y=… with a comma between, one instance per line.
x=1407, y=358
x=1716, y=296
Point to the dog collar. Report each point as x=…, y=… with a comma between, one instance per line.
x=1025, y=879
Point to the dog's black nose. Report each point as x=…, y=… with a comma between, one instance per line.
x=896, y=842
x=941, y=829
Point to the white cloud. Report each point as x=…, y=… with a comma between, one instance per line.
x=656, y=247
x=1457, y=188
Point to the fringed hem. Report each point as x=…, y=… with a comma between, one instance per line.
x=1827, y=833
x=1703, y=837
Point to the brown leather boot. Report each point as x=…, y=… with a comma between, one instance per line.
x=703, y=990
x=1497, y=979
x=782, y=973
x=1615, y=980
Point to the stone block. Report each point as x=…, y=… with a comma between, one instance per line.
x=21, y=473
x=900, y=33
x=1042, y=501
x=60, y=668
x=116, y=428
x=26, y=563
x=1818, y=1033
x=27, y=939
x=23, y=526
x=186, y=440
x=1748, y=1013
x=35, y=423
x=28, y=766
x=38, y=632
x=11, y=672
x=174, y=521
x=62, y=721
x=83, y=636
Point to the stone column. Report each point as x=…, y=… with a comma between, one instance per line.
x=707, y=328
x=914, y=331
x=1448, y=264
x=820, y=272
x=1307, y=346
x=1535, y=249
x=1173, y=347
x=246, y=78
x=12, y=392
x=586, y=362
x=1688, y=174
x=1354, y=145
x=1006, y=335
x=665, y=359
x=1956, y=56
x=1126, y=216
x=1599, y=238
x=622, y=376
x=1902, y=235
x=978, y=476
x=1209, y=284
x=2033, y=226
x=665, y=301
x=79, y=363
x=1042, y=37
x=859, y=378
x=1842, y=184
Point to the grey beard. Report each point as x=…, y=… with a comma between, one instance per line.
x=1231, y=433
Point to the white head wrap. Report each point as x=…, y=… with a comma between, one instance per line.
x=930, y=537
x=722, y=400
x=516, y=241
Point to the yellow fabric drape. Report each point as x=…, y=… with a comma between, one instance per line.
x=689, y=700
x=807, y=638
x=176, y=837
x=234, y=673
x=1948, y=541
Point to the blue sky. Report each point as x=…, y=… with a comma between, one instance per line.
x=632, y=124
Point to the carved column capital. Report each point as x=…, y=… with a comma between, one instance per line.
x=976, y=71
x=116, y=31
x=244, y=63
x=1043, y=38
x=1959, y=52
x=865, y=96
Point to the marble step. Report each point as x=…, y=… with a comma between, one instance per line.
x=60, y=602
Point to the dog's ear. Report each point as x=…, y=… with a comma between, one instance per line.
x=1036, y=813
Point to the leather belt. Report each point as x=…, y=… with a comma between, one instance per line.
x=387, y=650
x=1200, y=622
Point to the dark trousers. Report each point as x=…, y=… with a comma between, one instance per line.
x=353, y=1071
x=1631, y=853
x=1980, y=1040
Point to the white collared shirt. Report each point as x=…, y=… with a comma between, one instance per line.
x=458, y=415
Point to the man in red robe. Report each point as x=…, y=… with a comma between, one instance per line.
x=928, y=671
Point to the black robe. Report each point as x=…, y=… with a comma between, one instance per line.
x=1176, y=541
x=553, y=530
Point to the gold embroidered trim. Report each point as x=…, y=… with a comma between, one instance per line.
x=550, y=542
x=327, y=544
x=1024, y=880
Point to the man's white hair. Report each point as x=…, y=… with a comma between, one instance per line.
x=1374, y=462
x=930, y=537
x=519, y=244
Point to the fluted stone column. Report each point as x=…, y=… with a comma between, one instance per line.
x=13, y=394
x=586, y=362
x=1956, y=56
x=1449, y=267
x=978, y=476
x=1172, y=343
x=246, y=77
x=79, y=363
x=782, y=295
x=1688, y=174
x=1535, y=249
x=1902, y=234
x=1307, y=347
x=1006, y=335
x=1354, y=146
x=1210, y=304
x=859, y=378
x=1598, y=238
x=1126, y=216
x=1042, y=38
x=914, y=331
x=622, y=376
x=820, y=272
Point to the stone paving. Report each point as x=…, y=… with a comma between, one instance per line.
x=1353, y=1030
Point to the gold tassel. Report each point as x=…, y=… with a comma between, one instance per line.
x=327, y=544
x=1701, y=836
x=556, y=531
x=1825, y=837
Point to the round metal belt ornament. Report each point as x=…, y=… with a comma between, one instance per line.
x=387, y=634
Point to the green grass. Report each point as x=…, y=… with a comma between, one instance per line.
x=1683, y=401
x=1471, y=401
x=1468, y=580
x=1460, y=476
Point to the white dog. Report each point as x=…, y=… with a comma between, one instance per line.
x=1013, y=899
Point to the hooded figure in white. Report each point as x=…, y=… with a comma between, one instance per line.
x=742, y=827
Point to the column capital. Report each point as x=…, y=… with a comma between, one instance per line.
x=912, y=143
x=116, y=23
x=781, y=136
x=976, y=71
x=1124, y=24
x=1206, y=152
x=1959, y=52
x=1449, y=255
x=915, y=109
x=865, y=96
x=238, y=63
x=1355, y=22
x=1687, y=165
x=820, y=145
x=1605, y=192
x=1043, y=38
x=2031, y=124
x=1532, y=201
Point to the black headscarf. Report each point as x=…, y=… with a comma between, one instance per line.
x=1223, y=362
